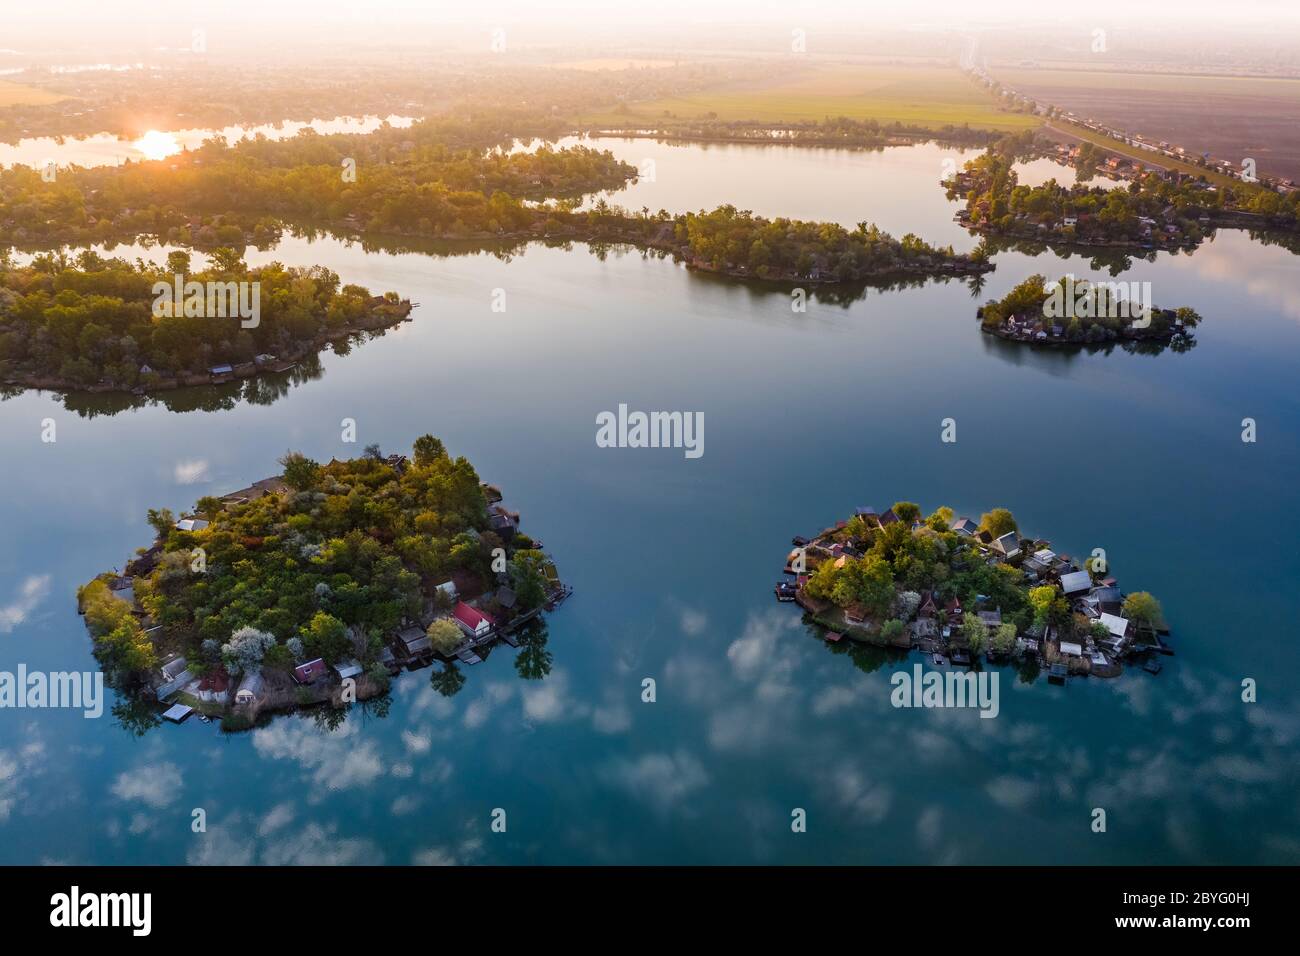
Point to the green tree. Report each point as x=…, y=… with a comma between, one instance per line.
x=209, y=506
x=445, y=635
x=998, y=522
x=976, y=633
x=162, y=521
x=906, y=511
x=326, y=636
x=1049, y=604
x=300, y=472
x=1144, y=610
x=1003, y=640
x=427, y=450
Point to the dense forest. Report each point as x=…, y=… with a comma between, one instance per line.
x=91, y=322
x=326, y=566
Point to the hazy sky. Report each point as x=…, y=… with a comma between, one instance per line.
x=151, y=23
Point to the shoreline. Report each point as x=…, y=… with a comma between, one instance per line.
x=389, y=315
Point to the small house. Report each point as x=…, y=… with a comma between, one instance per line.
x=1071, y=649
x=1076, y=582
x=1118, y=626
x=347, y=668
x=928, y=608
x=414, y=641
x=191, y=524
x=964, y=526
x=856, y=615
x=250, y=688
x=1108, y=600
x=1008, y=544
x=310, y=671
x=472, y=621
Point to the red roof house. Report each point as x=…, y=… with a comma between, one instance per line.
x=472, y=621
x=308, y=672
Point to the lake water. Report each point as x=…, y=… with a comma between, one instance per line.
x=807, y=416
x=105, y=149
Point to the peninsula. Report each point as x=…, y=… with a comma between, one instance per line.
x=316, y=585
x=956, y=589
x=96, y=324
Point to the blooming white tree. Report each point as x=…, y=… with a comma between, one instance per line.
x=245, y=649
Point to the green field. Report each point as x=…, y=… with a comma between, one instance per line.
x=930, y=96
x=15, y=94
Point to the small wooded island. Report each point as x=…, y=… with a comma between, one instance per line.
x=96, y=324
x=957, y=589
x=316, y=585
x=1072, y=313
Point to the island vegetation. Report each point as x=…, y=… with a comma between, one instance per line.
x=438, y=180
x=1072, y=312
x=841, y=132
x=275, y=596
x=1158, y=209
x=90, y=323
x=957, y=588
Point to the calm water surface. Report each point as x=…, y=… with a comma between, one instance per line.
x=105, y=149
x=807, y=416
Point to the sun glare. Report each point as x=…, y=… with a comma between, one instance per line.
x=156, y=145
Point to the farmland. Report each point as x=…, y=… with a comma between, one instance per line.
x=1229, y=116
x=931, y=96
x=16, y=94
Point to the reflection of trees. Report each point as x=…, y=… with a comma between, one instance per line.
x=1028, y=670
x=136, y=715
x=1290, y=241
x=376, y=707
x=1112, y=261
x=448, y=681
x=328, y=718
x=261, y=390
x=533, y=661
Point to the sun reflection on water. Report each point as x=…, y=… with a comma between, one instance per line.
x=157, y=145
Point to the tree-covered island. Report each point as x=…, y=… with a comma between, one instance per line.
x=1072, y=312
x=93, y=324
x=317, y=584
x=957, y=588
